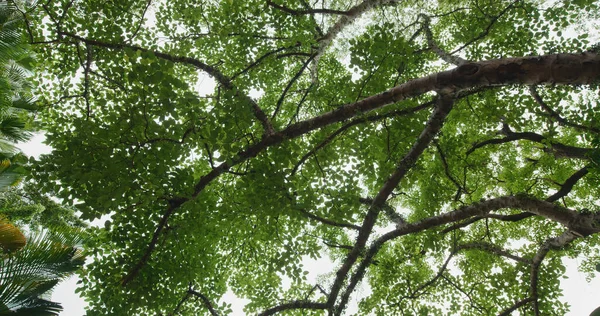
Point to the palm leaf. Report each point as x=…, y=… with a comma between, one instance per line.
x=26, y=274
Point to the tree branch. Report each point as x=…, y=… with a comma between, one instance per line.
x=304, y=12
x=345, y=20
x=515, y=306
x=434, y=124
x=558, y=149
x=328, y=221
x=551, y=243
x=553, y=114
x=445, y=56
x=526, y=70
x=205, y=300
x=294, y=305
x=212, y=71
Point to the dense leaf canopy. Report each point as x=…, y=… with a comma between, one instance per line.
x=442, y=153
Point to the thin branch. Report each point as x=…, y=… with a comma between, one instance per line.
x=459, y=188
x=212, y=71
x=553, y=114
x=180, y=304
x=305, y=12
x=445, y=56
x=354, y=122
x=328, y=221
x=558, y=149
x=134, y=34
x=487, y=29
x=294, y=305
x=289, y=85
x=205, y=300
x=434, y=124
x=487, y=247
x=260, y=59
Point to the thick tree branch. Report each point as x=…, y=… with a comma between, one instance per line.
x=565, y=188
x=515, y=306
x=573, y=69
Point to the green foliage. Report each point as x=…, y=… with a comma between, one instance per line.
x=204, y=197
x=29, y=274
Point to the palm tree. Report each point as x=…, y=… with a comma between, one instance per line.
x=27, y=275
x=16, y=62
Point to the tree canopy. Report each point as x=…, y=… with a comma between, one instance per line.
x=442, y=154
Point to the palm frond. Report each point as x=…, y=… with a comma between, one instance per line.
x=27, y=274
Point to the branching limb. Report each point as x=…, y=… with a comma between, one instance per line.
x=565, y=188
x=562, y=215
x=210, y=70
x=434, y=124
x=289, y=85
x=528, y=70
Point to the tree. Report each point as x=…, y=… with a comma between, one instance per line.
x=16, y=102
x=28, y=274
x=443, y=153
